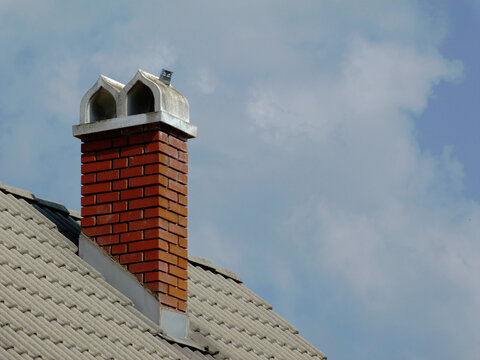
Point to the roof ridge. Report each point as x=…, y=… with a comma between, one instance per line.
x=27, y=195
x=207, y=264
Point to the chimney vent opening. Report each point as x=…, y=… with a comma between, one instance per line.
x=140, y=99
x=166, y=76
x=102, y=106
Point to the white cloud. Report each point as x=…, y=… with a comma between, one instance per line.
x=206, y=82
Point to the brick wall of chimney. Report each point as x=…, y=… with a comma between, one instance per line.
x=134, y=204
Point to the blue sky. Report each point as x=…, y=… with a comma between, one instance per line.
x=335, y=167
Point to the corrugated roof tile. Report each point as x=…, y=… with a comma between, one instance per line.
x=54, y=305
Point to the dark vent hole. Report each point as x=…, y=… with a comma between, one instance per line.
x=140, y=99
x=102, y=106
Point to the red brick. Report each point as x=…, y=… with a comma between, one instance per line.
x=147, y=224
x=120, y=206
x=162, y=191
x=147, y=202
x=183, y=242
x=182, y=178
x=155, y=169
x=148, y=266
x=88, y=221
x=162, y=169
x=159, y=212
x=148, y=159
x=177, y=165
x=131, y=130
x=108, y=154
x=120, y=228
x=122, y=141
x=107, y=134
x=161, y=276
x=182, y=200
x=176, y=271
x=131, y=215
x=88, y=200
x=96, y=188
x=177, y=250
x=107, y=240
x=96, y=166
x=131, y=236
x=176, y=208
x=182, y=221
x=148, y=245
x=120, y=163
x=146, y=180
x=131, y=194
x=182, y=284
x=88, y=157
x=96, y=210
x=182, y=263
x=131, y=258
x=89, y=178
x=161, y=147
x=158, y=287
x=176, y=143
x=182, y=306
x=120, y=185
x=161, y=234
x=96, y=145
x=108, y=175
x=179, y=230
x=98, y=230
x=178, y=293
x=131, y=172
x=161, y=255
x=107, y=219
x=175, y=186
x=107, y=197
x=145, y=137
x=139, y=277
x=119, y=249
x=168, y=300
x=132, y=150
x=183, y=156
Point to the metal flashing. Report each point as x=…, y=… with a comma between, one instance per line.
x=207, y=264
x=51, y=204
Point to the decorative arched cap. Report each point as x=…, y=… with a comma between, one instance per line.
x=101, y=101
x=165, y=98
x=110, y=105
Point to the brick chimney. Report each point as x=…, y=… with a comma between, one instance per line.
x=134, y=179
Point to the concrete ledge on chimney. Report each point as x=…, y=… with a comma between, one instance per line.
x=189, y=130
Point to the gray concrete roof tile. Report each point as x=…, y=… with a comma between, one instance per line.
x=55, y=305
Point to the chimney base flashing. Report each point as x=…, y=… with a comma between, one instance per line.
x=173, y=323
x=187, y=129
x=119, y=278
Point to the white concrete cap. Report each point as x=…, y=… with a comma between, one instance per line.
x=111, y=86
x=165, y=97
x=110, y=105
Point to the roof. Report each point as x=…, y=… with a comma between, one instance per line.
x=55, y=305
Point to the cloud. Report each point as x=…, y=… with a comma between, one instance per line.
x=377, y=81
x=307, y=177
x=380, y=215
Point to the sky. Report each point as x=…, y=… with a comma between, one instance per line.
x=335, y=168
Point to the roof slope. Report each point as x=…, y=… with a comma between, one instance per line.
x=53, y=305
